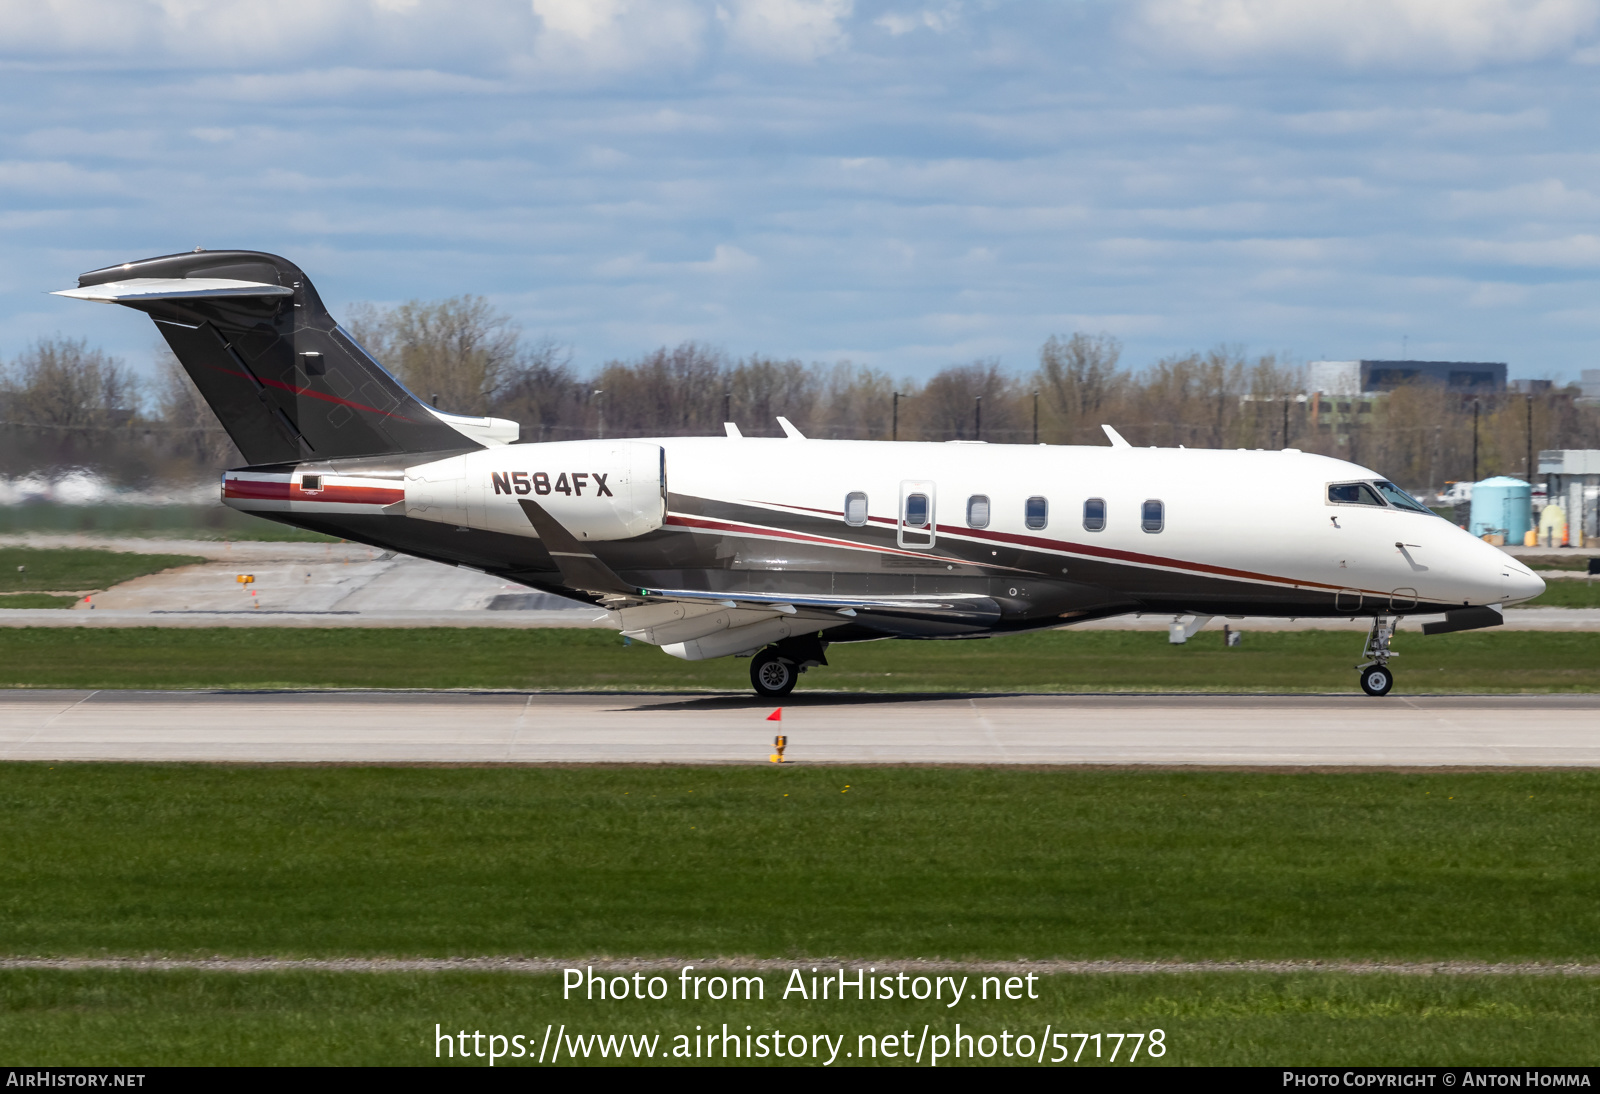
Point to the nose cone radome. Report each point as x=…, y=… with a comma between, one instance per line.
x=1522, y=584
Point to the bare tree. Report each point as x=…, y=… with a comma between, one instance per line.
x=190, y=429
x=1078, y=379
x=63, y=384
x=460, y=350
x=541, y=393
x=947, y=407
x=856, y=402
x=669, y=392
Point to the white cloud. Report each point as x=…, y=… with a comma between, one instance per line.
x=937, y=20
x=581, y=19
x=796, y=30
x=1399, y=34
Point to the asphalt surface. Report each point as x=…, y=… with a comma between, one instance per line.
x=461, y=727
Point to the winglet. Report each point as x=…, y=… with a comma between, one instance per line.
x=580, y=569
x=731, y=430
x=1117, y=439
x=789, y=430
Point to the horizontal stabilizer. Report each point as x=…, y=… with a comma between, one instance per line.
x=1465, y=619
x=172, y=288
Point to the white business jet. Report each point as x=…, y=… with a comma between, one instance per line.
x=775, y=548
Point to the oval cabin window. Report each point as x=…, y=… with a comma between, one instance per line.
x=1153, y=516
x=855, y=509
x=916, y=510
x=1036, y=514
x=977, y=511
x=1094, y=514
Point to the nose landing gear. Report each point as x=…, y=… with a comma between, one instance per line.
x=1376, y=679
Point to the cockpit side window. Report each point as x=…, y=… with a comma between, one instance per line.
x=1400, y=499
x=1352, y=493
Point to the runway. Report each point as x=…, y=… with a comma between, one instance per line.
x=461, y=727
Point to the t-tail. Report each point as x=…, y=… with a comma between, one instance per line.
x=287, y=383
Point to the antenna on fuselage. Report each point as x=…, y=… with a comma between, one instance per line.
x=1117, y=439
x=789, y=430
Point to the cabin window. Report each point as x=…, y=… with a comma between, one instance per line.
x=978, y=511
x=1352, y=493
x=1400, y=499
x=1036, y=514
x=1094, y=514
x=310, y=484
x=1153, y=516
x=916, y=510
x=855, y=509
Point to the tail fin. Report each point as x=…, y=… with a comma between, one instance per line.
x=287, y=383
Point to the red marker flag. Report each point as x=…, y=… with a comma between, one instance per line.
x=776, y=716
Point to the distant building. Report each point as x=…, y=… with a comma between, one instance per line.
x=1590, y=383
x=1367, y=377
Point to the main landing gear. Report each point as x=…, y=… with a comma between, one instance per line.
x=771, y=675
x=775, y=670
x=1376, y=679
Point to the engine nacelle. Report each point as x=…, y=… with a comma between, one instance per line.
x=599, y=490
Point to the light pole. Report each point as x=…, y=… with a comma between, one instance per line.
x=727, y=406
x=894, y=429
x=600, y=410
x=977, y=418
x=1530, y=443
x=1474, y=440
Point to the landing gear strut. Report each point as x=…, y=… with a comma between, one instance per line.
x=1376, y=679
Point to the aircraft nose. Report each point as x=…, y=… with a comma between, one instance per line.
x=1522, y=584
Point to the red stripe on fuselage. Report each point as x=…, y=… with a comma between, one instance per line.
x=784, y=533
x=282, y=490
x=1110, y=553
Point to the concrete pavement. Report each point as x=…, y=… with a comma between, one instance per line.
x=461, y=727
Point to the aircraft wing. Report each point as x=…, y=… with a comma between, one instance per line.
x=927, y=616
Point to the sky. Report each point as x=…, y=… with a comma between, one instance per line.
x=901, y=183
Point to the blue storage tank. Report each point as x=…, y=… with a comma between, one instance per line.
x=1503, y=505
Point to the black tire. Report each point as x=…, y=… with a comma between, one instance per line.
x=772, y=676
x=1376, y=680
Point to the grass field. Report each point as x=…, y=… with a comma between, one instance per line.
x=1556, y=561
x=216, y=522
x=1566, y=593
x=797, y=862
x=27, y=572
x=194, y=1018
x=788, y=863
x=1484, y=661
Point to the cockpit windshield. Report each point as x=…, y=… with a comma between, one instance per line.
x=1400, y=499
x=1352, y=493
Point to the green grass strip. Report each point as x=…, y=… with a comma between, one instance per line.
x=1566, y=593
x=56, y=568
x=199, y=860
x=209, y=522
x=36, y=600
x=133, y=1019
x=1057, y=661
